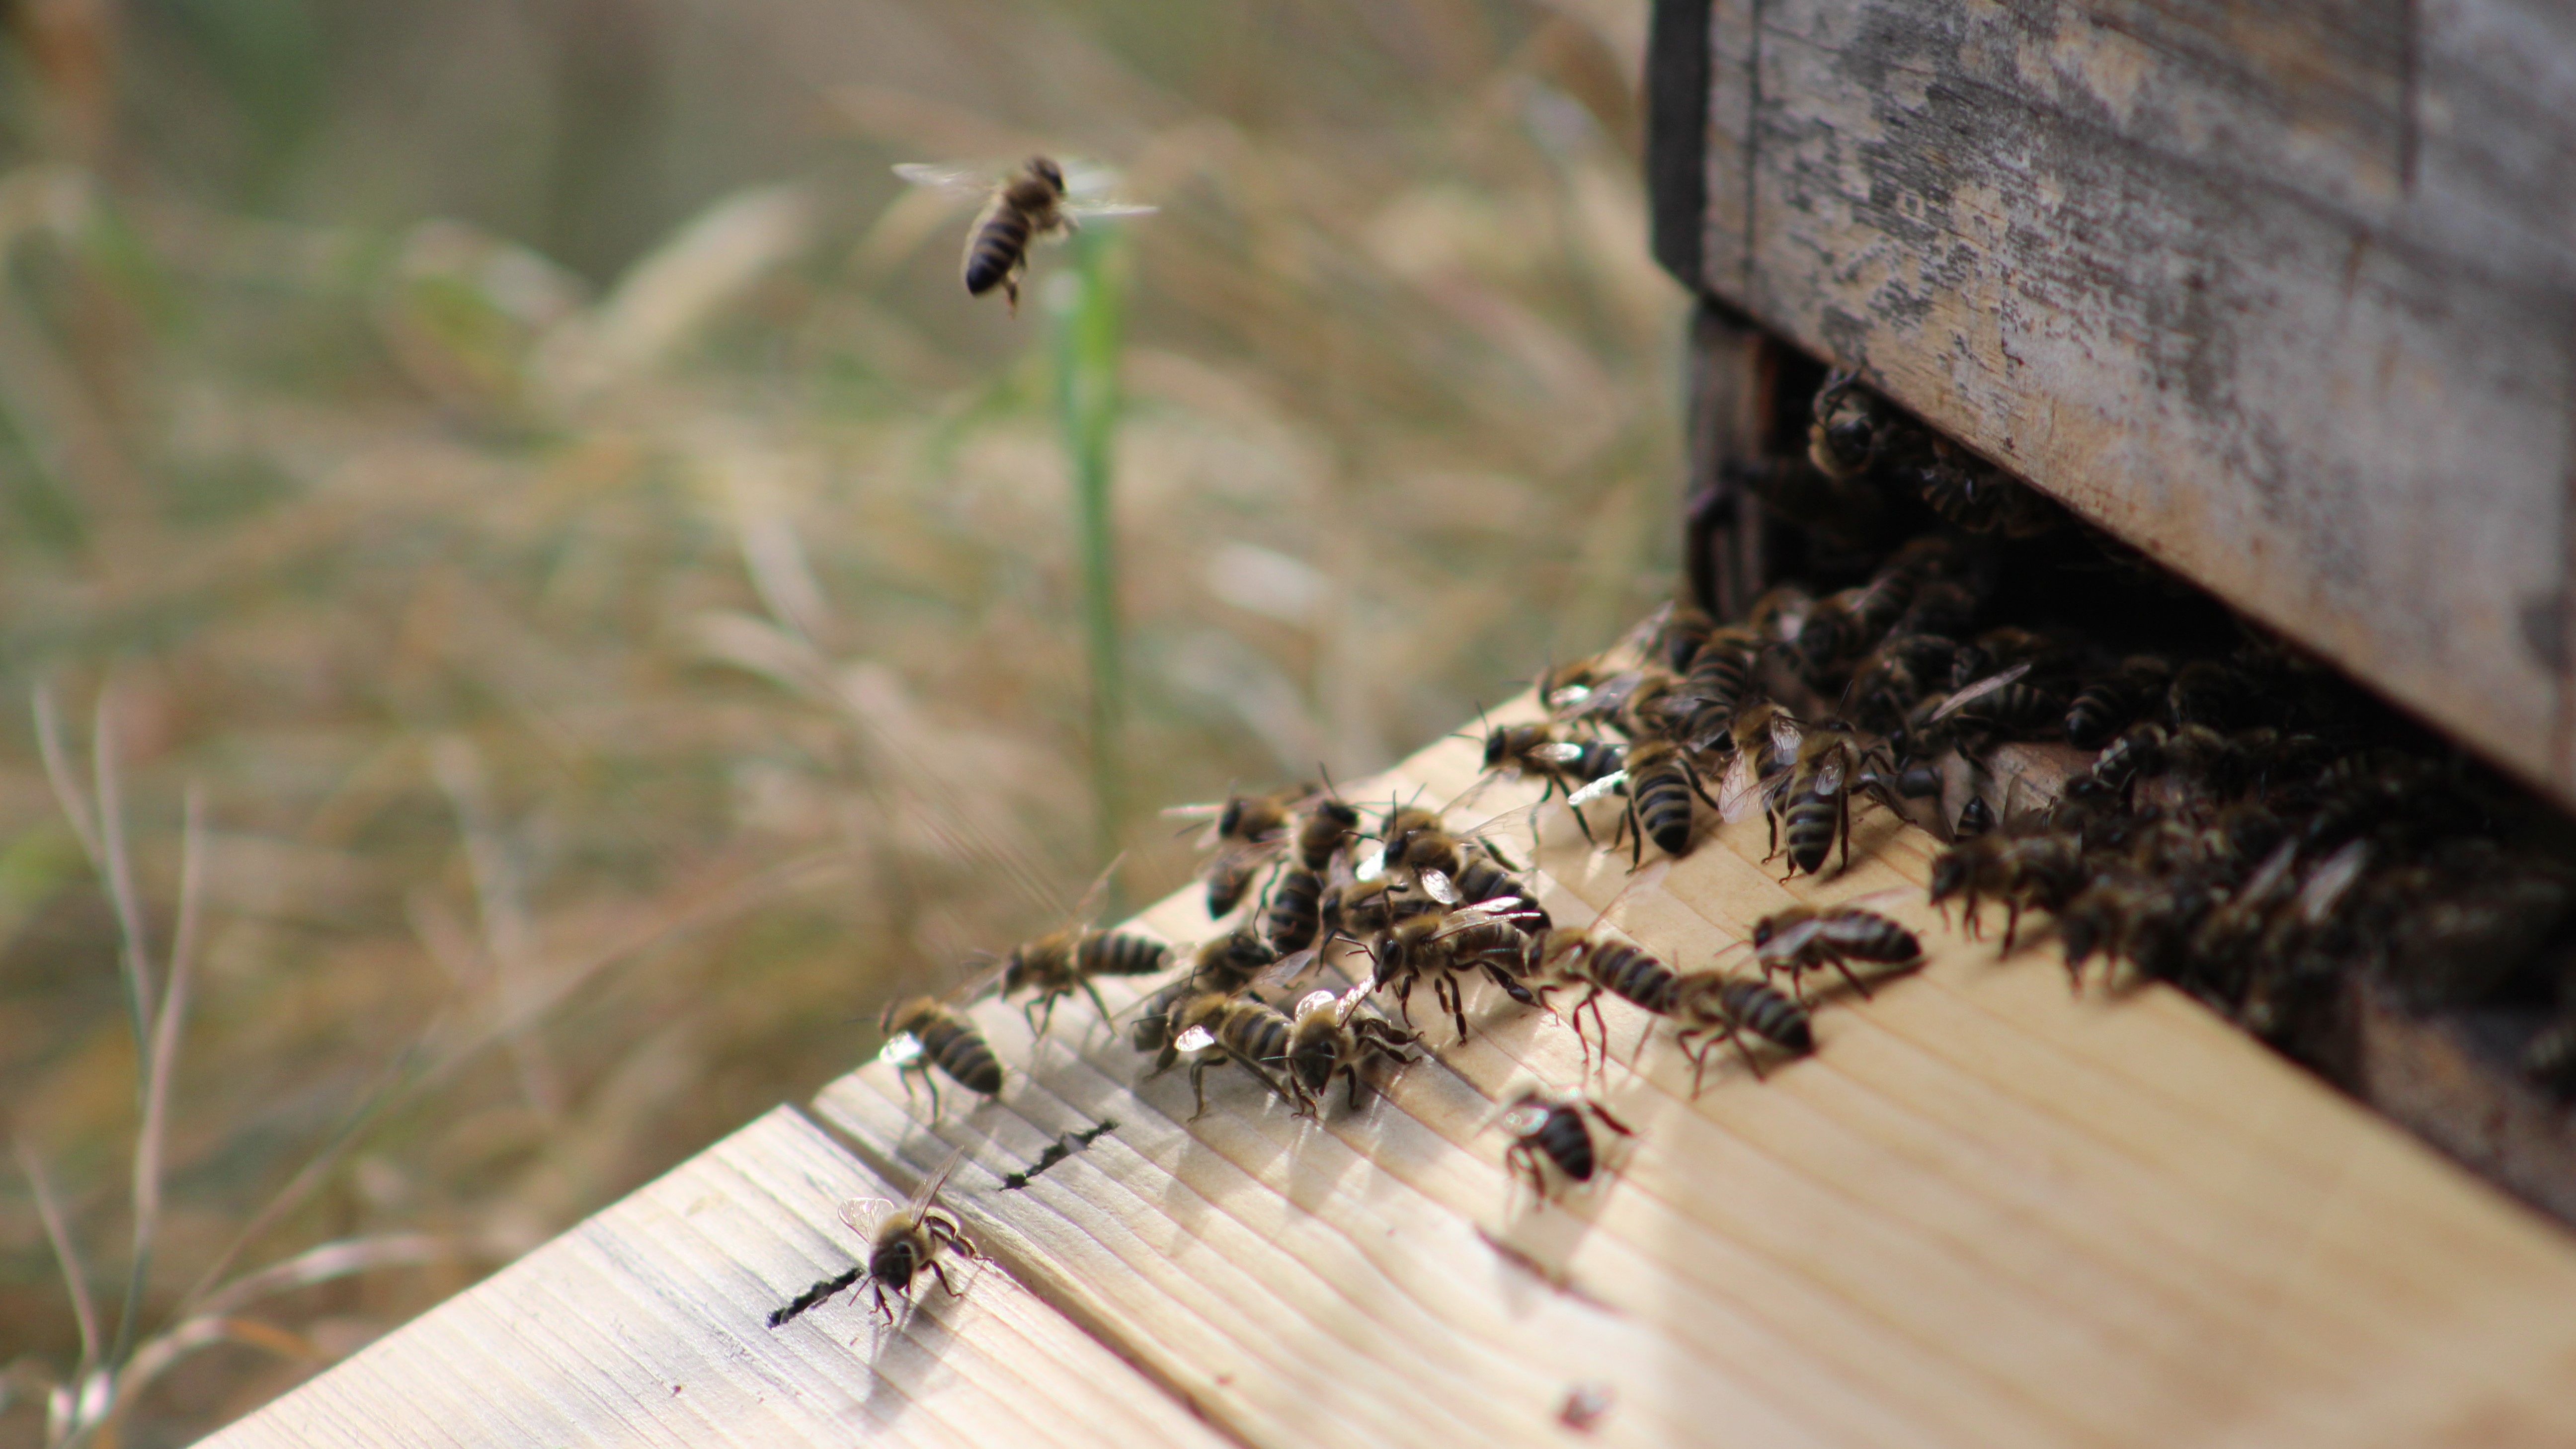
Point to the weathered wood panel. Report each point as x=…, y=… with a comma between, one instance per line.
x=647, y=1325
x=1987, y=1213
x=2286, y=295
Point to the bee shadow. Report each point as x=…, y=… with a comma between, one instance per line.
x=908, y=1357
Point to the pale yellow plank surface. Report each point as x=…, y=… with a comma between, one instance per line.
x=1986, y=1213
x=646, y=1325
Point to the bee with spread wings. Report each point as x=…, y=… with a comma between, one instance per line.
x=903, y=1242
x=1025, y=207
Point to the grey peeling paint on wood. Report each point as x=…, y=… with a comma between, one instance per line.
x=2284, y=294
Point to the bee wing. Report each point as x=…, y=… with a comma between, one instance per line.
x=1980, y=690
x=1314, y=1000
x=902, y=1050
x=1786, y=943
x=2268, y=876
x=1829, y=778
x=1286, y=969
x=931, y=1185
x=1105, y=206
x=1437, y=885
x=1096, y=896
x=1786, y=732
x=1197, y=1038
x=1607, y=696
x=1736, y=791
x=2318, y=898
x=962, y=179
x=1523, y=1120
x=862, y=1214
x=1557, y=752
x=1207, y=811
x=1891, y=893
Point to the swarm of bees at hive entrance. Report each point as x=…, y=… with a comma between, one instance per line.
x=2114, y=763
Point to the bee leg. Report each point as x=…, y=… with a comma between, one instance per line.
x=941, y=1274
x=1699, y=1065
x=932, y=1083
x=1613, y=1123
x=1857, y=984
x=1094, y=992
x=2012, y=923
x=1638, y=1056
x=1198, y=1086
x=1842, y=810
x=1354, y=1073
x=1736, y=1036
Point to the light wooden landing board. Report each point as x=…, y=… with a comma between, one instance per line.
x=1987, y=1213
x=647, y=1325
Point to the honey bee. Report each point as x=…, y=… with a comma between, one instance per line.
x=1418, y=840
x=910, y=1240
x=927, y=1032
x=2148, y=921
x=1680, y=633
x=1444, y=946
x=2109, y=705
x=1067, y=960
x=1803, y=939
x=1323, y=831
x=900, y=1245
x=1720, y=677
x=1714, y=1006
x=1062, y=962
x=1975, y=495
x=1975, y=818
x=1561, y=766
x=1600, y=963
x=1296, y=908
x=1218, y=1028
x=1225, y=965
x=1334, y=1036
x=1815, y=796
x=1023, y=208
x=1849, y=429
x=2024, y=871
x=1557, y=1133
x=1844, y=626
x=1249, y=831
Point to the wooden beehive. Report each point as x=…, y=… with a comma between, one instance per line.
x=2284, y=298
x=2283, y=294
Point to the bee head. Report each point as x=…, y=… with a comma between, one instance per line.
x=1949, y=876
x=1047, y=171
x=1498, y=748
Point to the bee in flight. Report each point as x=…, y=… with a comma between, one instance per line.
x=901, y=1245
x=1025, y=207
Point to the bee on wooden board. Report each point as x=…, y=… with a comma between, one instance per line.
x=1067, y=959
x=1714, y=1006
x=1557, y=1133
x=1334, y=1036
x=1445, y=946
x=905, y=1242
x=1248, y=832
x=1226, y=965
x=1602, y=964
x=926, y=1032
x=1028, y=206
x=1216, y=1028
x=1802, y=939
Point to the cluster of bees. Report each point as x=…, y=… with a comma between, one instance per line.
x=2230, y=817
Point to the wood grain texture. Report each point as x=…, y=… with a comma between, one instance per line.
x=646, y=1325
x=1987, y=1212
x=2285, y=294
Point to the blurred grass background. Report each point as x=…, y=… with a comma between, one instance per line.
x=531, y=470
